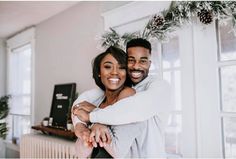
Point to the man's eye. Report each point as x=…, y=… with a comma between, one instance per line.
x=143, y=61
x=131, y=60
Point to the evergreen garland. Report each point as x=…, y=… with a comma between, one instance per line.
x=4, y=110
x=179, y=13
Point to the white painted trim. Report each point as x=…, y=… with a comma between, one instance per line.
x=132, y=12
x=2, y=67
x=226, y=63
x=189, y=133
x=209, y=133
x=33, y=81
x=12, y=146
x=23, y=38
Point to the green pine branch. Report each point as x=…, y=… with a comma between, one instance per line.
x=4, y=110
x=178, y=14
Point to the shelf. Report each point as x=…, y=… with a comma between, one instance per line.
x=54, y=131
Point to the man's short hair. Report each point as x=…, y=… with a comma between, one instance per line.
x=139, y=42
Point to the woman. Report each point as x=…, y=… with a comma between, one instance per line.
x=109, y=73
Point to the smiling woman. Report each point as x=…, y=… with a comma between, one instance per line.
x=110, y=74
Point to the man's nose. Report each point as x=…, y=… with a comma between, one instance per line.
x=136, y=65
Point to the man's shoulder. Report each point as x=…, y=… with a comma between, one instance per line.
x=154, y=79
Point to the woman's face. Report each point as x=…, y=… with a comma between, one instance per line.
x=112, y=74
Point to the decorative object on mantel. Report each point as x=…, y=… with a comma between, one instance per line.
x=59, y=120
x=68, y=134
x=179, y=13
x=4, y=110
x=63, y=97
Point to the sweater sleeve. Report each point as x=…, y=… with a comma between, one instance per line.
x=143, y=105
x=90, y=96
x=123, y=137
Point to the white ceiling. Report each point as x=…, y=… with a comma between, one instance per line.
x=18, y=15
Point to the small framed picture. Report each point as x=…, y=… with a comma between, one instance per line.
x=63, y=97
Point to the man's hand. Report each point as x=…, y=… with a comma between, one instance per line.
x=86, y=106
x=82, y=111
x=83, y=133
x=100, y=134
x=82, y=115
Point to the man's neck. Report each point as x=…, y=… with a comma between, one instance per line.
x=135, y=84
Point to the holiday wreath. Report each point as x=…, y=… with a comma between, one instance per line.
x=179, y=13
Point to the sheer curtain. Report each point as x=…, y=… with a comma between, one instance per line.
x=20, y=84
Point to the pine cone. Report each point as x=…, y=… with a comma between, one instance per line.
x=205, y=16
x=158, y=21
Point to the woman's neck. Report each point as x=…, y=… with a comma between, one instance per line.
x=112, y=96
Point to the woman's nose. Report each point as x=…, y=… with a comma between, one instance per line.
x=114, y=71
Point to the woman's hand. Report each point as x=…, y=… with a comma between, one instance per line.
x=83, y=133
x=100, y=134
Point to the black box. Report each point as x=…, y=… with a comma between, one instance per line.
x=63, y=97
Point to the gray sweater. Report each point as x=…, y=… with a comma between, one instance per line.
x=137, y=139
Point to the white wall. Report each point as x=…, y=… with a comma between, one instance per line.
x=2, y=67
x=2, y=86
x=65, y=47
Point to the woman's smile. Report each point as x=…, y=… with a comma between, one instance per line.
x=112, y=74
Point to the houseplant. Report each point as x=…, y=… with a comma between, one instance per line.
x=4, y=110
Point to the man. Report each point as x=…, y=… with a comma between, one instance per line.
x=152, y=97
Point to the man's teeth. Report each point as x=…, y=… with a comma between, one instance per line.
x=136, y=74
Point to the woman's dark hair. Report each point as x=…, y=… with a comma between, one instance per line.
x=119, y=55
x=139, y=42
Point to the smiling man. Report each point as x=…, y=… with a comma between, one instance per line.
x=138, y=61
x=150, y=103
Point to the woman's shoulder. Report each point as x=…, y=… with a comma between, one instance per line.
x=126, y=92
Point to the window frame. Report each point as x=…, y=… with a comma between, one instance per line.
x=222, y=64
x=23, y=38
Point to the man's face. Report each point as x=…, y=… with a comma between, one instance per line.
x=138, y=63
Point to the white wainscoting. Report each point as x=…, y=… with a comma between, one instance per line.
x=44, y=146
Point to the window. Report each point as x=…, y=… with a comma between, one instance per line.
x=172, y=73
x=227, y=78
x=19, y=86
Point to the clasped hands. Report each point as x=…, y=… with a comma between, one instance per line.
x=97, y=134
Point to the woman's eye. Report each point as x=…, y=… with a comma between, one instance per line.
x=106, y=66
